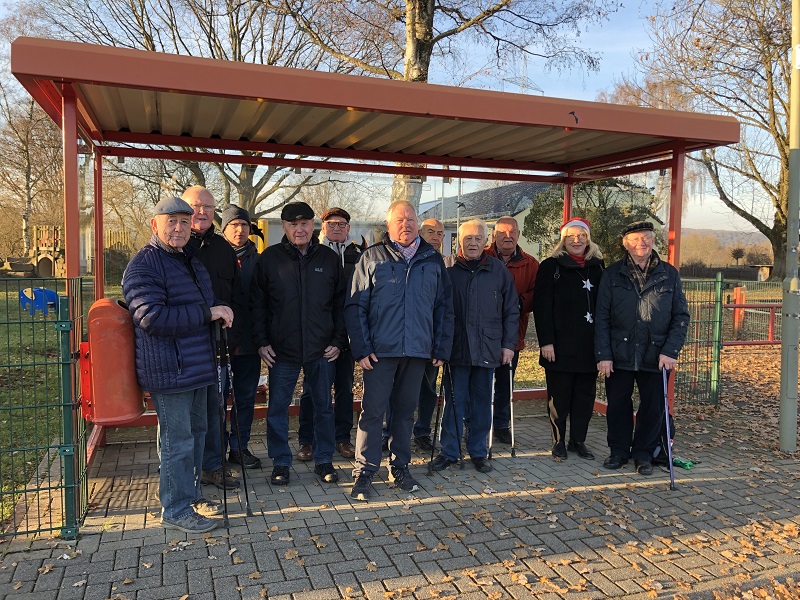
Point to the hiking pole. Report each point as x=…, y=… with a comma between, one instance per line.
x=221, y=410
x=511, y=404
x=457, y=433
x=437, y=424
x=235, y=420
x=669, y=434
x=491, y=421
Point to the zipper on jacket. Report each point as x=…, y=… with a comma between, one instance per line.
x=179, y=359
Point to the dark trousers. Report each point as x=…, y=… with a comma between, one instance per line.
x=391, y=382
x=570, y=396
x=342, y=403
x=502, y=393
x=622, y=439
x=246, y=373
x=425, y=407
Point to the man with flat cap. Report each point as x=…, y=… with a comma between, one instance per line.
x=296, y=302
x=640, y=327
x=335, y=234
x=172, y=303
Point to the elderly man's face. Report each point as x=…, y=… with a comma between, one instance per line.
x=299, y=232
x=433, y=233
x=575, y=241
x=237, y=232
x=173, y=230
x=402, y=225
x=202, y=202
x=639, y=244
x=472, y=242
x=506, y=235
x=336, y=229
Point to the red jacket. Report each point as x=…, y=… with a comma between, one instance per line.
x=523, y=268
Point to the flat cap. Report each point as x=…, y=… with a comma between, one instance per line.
x=637, y=226
x=172, y=206
x=336, y=212
x=297, y=210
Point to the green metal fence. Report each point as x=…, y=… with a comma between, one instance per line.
x=43, y=483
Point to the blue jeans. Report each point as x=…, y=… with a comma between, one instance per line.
x=282, y=381
x=182, y=418
x=473, y=393
x=246, y=371
x=212, y=454
x=342, y=377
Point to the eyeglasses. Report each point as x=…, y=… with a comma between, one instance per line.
x=582, y=237
x=636, y=239
x=336, y=224
x=202, y=207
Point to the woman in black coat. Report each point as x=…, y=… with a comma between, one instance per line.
x=563, y=308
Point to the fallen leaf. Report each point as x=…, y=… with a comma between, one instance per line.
x=372, y=566
x=46, y=568
x=254, y=575
x=290, y=554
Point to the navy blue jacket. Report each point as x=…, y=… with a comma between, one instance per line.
x=399, y=309
x=632, y=327
x=169, y=296
x=486, y=308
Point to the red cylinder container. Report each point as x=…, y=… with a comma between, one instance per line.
x=116, y=397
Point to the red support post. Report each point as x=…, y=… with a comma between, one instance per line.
x=69, y=145
x=99, y=239
x=567, y=202
x=676, y=206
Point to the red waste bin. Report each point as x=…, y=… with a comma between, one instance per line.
x=116, y=397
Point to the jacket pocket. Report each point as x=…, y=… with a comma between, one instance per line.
x=490, y=346
x=653, y=350
x=621, y=347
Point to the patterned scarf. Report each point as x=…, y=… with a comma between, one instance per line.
x=409, y=251
x=640, y=275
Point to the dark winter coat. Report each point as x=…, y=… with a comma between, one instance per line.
x=398, y=309
x=169, y=296
x=523, y=268
x=242, y=323
x=561, y=304
x=296, y=301
x=633, y=328
x=486, y=309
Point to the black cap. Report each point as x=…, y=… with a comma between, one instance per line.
x=232, y=213
x=297, y=210
x=336, y=212
x=172, y=206
x=638, y=226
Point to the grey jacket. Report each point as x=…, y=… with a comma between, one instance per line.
x=634, y=328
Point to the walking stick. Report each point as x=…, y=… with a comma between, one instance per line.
x=669, y=434
x=221, y=410
x=491, y=429
x=511, y=403
x=437, y=424
x=236, y=419
x=455, y=416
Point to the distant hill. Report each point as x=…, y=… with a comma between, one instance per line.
x=730, y=238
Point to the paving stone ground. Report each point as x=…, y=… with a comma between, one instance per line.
x=531, y=528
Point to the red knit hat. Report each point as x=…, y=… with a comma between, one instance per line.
x=574, y=222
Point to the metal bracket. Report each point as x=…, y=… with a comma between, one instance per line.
x=69, y=533
x=64, y=325
x=66, y=450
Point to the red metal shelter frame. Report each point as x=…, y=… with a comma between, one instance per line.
x=122, y=103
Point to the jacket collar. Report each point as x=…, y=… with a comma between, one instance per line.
x=293, y=251
x=423, y=251
x=483, y=262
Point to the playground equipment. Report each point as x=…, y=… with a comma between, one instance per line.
x=39, y=298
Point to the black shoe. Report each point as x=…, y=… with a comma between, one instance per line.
x=222, y=478
x=385, y=445
x=424, y=443
x=581, y=449
x=643, y=467
x=615, y=461
x=402, y=478
x=280, y=476
x=502, y=436
x=440, y=463
x=559, y=451
x=362, y=488
x=482, y=465
x=326, y=472
x=244, y=458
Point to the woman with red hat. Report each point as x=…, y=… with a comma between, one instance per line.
x=563, y=309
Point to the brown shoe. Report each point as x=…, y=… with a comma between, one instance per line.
x=346, y=449
x=305, y=454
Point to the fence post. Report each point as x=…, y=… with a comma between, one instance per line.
x=67, y=448
x=739, y=297
x=716, y=340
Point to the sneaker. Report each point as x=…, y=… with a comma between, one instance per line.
x=424, y=443
x=223, y=479
x=402, y=478
x=326, y=472
x=207, y=508
x=482, y=465
x=191, y=523
x=502, y=436
x=362, y=488
x=440, y=463
x=280, y=476
x=245, y=458
x=305, y=453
